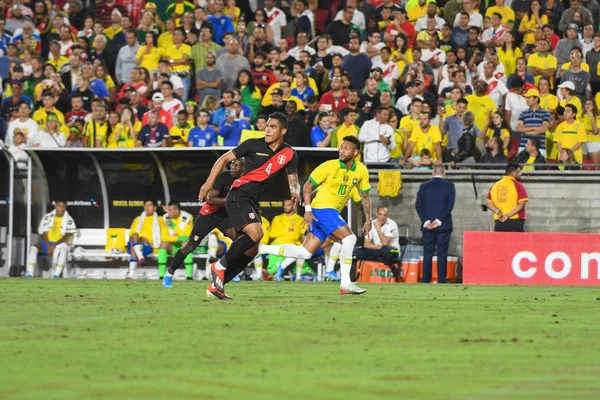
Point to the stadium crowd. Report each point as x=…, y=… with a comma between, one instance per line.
x=416, y=81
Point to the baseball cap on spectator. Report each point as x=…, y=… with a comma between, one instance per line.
x=130, y=89
x=212, y=53
x=277, y=92
x=532, y=93
x=150, y=5
x=16, y=82
x=567, y=85
x=573, y=26
x=158, y=97
x=376, y=69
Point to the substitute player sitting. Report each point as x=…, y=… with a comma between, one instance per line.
x=178, y=225
x=145, y=236
x=334, y=180
x=56, y=228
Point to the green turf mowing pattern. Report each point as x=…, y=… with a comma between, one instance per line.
x=106, y=339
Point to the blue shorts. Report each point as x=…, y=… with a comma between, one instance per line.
x=328, y=220
x=224, y=244
x=146, y=250
x=45, y=248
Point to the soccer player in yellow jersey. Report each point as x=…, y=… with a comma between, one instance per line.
x=146, y=233
x=570, y=134
x=178, y=225
x=56, y=229
x=334, y=180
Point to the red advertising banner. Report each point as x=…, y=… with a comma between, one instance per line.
x=502, y=258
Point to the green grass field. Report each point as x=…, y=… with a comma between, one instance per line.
x=84, y=339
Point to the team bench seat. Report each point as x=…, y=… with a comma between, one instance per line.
x=90, y=245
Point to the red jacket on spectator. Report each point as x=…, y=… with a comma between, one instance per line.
x=104, y=12
x=336, y=106
x=136, y=87
x=409, y=28
x=163, y=116
x=263, y=80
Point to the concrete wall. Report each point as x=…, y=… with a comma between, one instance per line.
x=556, y=204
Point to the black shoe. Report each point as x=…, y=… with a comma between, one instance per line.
x=189, y=278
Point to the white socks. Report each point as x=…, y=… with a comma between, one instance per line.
x=258, y=267
x=287, y=262
x=286, y=250
x=213, y=245
x=347, y=249
x=334, y=255
x=132, y=267
x=59, y=258
x=219, y=266
x=139, y=253
x=31, y=260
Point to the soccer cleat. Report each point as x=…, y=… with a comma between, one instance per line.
x=279, y=274
x=54, y=276
x=167, y=282
x=213, y=293
x=218, y=277
x=352, y=289
x=236, y=279
x=332, y=276
x=28, y=276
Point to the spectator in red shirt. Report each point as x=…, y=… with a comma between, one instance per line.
x=104, y=12
x=136, y=83
x=336, y=99
x=77, y=111
x=164, y=116
x=263, y=77
x=552, y=37
x=400, y=25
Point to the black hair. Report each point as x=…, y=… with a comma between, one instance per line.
x=353, y=140
x=151, y=201
x=175, y=203
x=281, y=118
x=535, y=142
x=511, y=167
x=464, y=101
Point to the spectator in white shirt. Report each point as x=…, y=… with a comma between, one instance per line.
x=358, y=18
x=494, y=35
x=389, y=69
x=498, y=67
x=475, y=19
x=276, y=19
x=28, y=127
x=301, y=44
x=378, y=137
x=411, y=93
x=421, y=24
x=373, y=45
x=515, y=103
x=17, y=150
x=51, y=137
x=382, y=242
x=495, y=88
x=433, y=56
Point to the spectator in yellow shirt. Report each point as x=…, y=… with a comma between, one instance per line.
x=426, y=136
x=347, y=128
x=149, y=54
x=570, y=134
x=591, y=122
x=178, y=134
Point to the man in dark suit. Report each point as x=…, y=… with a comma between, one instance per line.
x=435, y=201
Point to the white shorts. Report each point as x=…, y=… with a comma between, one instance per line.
x=592, y=147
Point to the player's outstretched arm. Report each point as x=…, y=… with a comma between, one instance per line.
x=205, y=190
x=294, y=188
x=366, y=201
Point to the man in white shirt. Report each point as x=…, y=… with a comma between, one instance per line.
x=276, y=19
x=389, y=69
x=433, y=56
x=498, y=67
x=382, y=242
x=373, y=45
x=475, y=19
x=28, y=127
x=411, y=93
x=421, y=24
x=171, y=104
x=515, y=103
x=51, y=137
x=378, y=137
x=301, y=44
x=494, y=35
x=496, y=88
x=358, y=18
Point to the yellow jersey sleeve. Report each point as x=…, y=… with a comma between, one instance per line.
x=581, y=134
x=134, y=225
x=321, y=173
x=363, y=179
x=436, y=135
x=355, y=196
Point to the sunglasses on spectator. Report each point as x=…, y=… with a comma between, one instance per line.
x=257, y=25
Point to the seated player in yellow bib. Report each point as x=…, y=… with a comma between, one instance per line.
x=334, y=181
x=286, y=228
x=178, y=225
x=144, y=236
